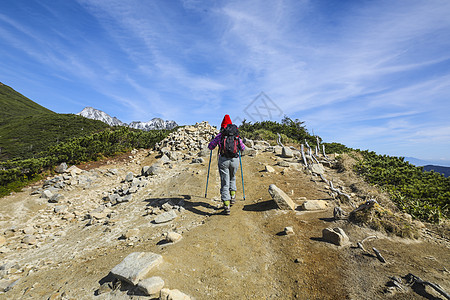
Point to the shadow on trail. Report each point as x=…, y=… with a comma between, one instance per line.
x=261, y=206
x=185, y=201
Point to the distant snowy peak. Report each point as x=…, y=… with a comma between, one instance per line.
x=95, y=114
x=155, y=123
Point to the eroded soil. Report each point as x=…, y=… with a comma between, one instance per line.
x=241, y=256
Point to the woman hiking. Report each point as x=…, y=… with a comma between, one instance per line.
x=229, y=146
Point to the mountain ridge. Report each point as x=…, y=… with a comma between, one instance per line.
x=153, y=124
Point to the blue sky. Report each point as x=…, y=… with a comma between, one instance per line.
x=369, y=74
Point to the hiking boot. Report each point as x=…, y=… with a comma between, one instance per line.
x=227, y=210
x=233, y=197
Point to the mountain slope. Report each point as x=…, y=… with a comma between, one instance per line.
x=438, y=169
x=27, y=128
x=14, y=104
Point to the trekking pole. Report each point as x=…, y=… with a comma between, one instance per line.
x=242, y=174
x=207, y=178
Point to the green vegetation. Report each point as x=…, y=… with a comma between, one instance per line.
x=26, y=128
x=26, y=137
x=424, y=195
x=291, y=131
x=16, y=173
x=14, y=104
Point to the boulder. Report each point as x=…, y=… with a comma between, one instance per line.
x=46, y=194
x=55, y=198
x=318, y=169
x=151, y=286
x=2, y=240
x=29, y=239
x=135, y=266
x=314, y=205
x=165, y=217
x=173, y=237
x=269, y=169
x=175, y=294
x=144, y=170
x=283, y=201
x=335, y=236
x=278, y=150
x=129, y=177
x=284, y=164
x=61, y=168
x=286, y=152
x=288, y=230
x=154, y=169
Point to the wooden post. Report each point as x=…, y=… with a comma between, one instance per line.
x=303, y=155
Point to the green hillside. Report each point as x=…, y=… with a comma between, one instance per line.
x=27, y=128
x=14, y=104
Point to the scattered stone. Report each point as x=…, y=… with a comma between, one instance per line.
x=46, y=194
x=151, y=286
x=173, y=237
x=74, y=170
x=314, y=205
x=284, y=164
x=286, y=152
x=164, y=159
x=154, y=169
x=131, y=234
x=29, y=240
x=56, y=198
x=197, y=160
x=204, y=152
x=136, y=265
x=129, y=177
x=6, y=285
x=338, y=213
x=335, y=236
x=165, y=217
x=167, y=294
x=288, y=230
x=269, y=169
x=283, y=201
x=318, y=169
x=61, y=168
x=29, y=230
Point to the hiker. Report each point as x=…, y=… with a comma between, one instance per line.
x=229, y=146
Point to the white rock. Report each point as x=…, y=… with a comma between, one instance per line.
x=283, y=201
x=151, y=286
x=173, y=237
x=269, y=169
x=136, y=265
x=314, y=205
x=167, y=294
x=336, y=236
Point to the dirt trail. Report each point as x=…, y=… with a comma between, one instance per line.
x=241, y=256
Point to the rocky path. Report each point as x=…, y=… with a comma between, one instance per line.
x=67, y=249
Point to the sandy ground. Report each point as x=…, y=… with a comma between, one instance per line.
x=241, y=256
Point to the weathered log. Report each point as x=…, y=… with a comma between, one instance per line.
x=378, y=254
x=415, y=279
x=366, y=205
x=303, y=156
x=279, y=140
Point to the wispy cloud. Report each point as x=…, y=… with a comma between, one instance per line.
x=361, y=73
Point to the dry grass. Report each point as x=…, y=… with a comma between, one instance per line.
x=381, y=219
